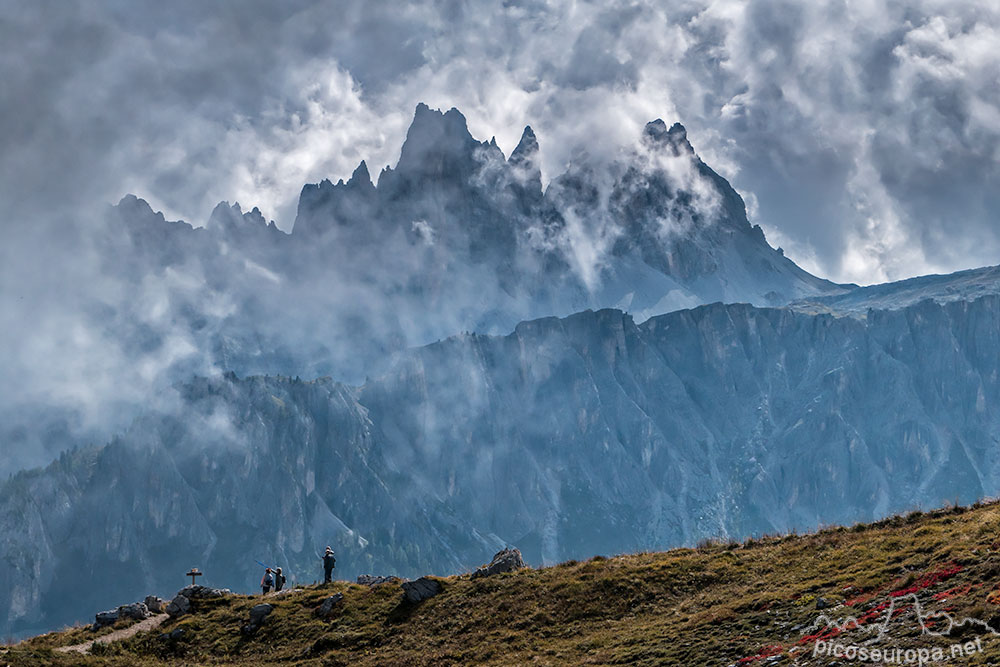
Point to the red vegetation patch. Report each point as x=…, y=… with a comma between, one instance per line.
x=765, y=652
x=928, y=580
x=956, y=592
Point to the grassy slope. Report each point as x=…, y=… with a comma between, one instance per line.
x=718, y=605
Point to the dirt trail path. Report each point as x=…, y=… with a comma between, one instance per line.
x=124, y=633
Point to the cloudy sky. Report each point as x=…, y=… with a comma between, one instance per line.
x=864, y=134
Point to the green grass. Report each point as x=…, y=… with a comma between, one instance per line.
x=76, y=634
x=718, y=604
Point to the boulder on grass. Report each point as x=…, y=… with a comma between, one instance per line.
x=174, y=635
x=421, y=589
x=155, y=604
x=105, y=618
x=137, y=611
x=326, y=608
x=258, y=614
x=199, y=592
x=179, y=606
x=508, y=560
x=373, y=580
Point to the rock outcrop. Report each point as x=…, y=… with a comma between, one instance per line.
x=136, y=611
x=199, y=592
x=325, y=609
x=104, y=618
x=174, y=635
x=155, y=604
x=421, y=589
x=179, y=606
x=258, y=614
x=508, y=560
x=372, y=580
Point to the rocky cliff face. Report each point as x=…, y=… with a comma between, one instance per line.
x=566, y=438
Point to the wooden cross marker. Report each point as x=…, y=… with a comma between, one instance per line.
x=193, y=573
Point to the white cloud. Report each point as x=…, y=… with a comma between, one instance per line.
x=193, y=106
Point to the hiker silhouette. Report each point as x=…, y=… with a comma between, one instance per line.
x=266, y=581
x=329, y=562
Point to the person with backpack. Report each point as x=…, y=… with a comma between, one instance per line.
x=279, y=580
x=329, y=562
x=266, y=582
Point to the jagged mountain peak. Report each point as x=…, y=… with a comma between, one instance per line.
x=657, y=134
x=434, y=135
x=226, y=217
x=524, y=160
x=133, y=205
x=224, y=207
x=671, y=238
x=361, y=177
x=134, y=210
x=254, y=216
x=527, y=147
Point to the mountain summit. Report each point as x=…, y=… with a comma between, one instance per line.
x=652, y=232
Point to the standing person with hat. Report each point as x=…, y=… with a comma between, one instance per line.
x=329, y=562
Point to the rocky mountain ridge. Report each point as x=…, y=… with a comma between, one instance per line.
x=965, y=285
x=455, y=237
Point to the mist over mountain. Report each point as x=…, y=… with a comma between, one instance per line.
x=568, y=437
x=459, y=237
x=455, y=237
